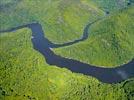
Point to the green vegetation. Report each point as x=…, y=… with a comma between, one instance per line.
x=62, y=20
x=24, y=75
x=111, y=5
x=110, y=43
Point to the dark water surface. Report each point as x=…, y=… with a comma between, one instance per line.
x=43, y=45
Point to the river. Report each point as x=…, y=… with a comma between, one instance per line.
x=43, y=45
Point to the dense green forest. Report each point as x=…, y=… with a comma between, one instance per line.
x=110, y=42
x=24, y=74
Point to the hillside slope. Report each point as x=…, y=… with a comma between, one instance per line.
x=110, y=42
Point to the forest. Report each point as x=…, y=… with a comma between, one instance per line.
x=24, y=73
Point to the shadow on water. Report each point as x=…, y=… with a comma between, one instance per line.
x=43, y=45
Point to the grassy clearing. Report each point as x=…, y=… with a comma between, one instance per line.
x=111, y=41
x=24, y=75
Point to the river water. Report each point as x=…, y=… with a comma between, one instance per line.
x=43, y=45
